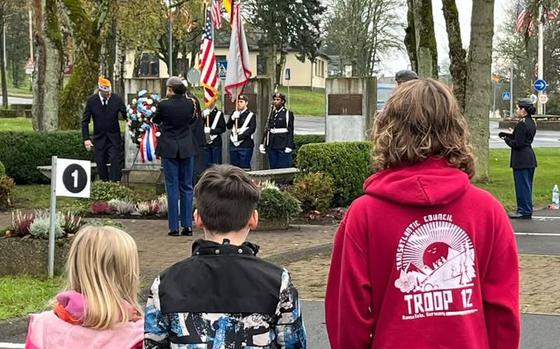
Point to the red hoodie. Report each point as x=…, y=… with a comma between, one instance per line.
x=424, y=260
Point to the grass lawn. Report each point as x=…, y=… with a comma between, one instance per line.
x=16, y=124
x=22, y=295
x=20, y=92
x=501, y=177
x=304, y=102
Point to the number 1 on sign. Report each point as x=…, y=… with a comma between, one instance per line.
x=75, y=176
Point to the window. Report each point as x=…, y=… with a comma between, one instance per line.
x=320, y=68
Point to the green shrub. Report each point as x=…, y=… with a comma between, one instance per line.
x=7, y=185
x=107, y=191
x=300, y=140
x=22, y=152
x=349, y=164
x=275, y=204
x=2, y=169
x=41, y=226
x=314, y=190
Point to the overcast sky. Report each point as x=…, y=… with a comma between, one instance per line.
x=400, y=61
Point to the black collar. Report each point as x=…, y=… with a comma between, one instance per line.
x=204, y=247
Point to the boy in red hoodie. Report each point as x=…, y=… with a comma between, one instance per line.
x=424, y=259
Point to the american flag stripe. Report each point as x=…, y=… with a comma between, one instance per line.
x=207, y=64
x=520, y=18
x=217, y=13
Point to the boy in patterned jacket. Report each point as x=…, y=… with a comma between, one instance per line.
x=223, y=296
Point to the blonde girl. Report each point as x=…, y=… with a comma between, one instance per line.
x=99, y=307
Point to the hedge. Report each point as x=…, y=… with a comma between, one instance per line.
x=22, y=152
x=349, y=164
x=300, y=140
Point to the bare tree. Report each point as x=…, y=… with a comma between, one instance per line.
x=457, y=54
x=360, y=31
x=421, y=39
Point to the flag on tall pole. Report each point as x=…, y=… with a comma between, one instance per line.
x=207, y=63
x=217, y=13
x=238, y=73
x=520, y=18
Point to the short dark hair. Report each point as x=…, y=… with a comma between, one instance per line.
x=179, y=89
x=225, y=198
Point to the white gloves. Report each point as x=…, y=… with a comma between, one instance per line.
x=288, y=150
x=262, y=149
x=207, y=130
x=205, y=112
x=235, y=115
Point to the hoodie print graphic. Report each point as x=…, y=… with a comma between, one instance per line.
x=436, y=264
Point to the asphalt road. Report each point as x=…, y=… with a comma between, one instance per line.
x=316, y=125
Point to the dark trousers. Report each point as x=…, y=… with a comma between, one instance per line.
x=212, y=156
x=278, y=158
x=241, y=157
x=179, y=187
x=112, y=155
x=523, y=179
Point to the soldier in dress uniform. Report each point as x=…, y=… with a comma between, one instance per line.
x=214, y=126
x=278, y=140
x=242, y=124
x=104, y=108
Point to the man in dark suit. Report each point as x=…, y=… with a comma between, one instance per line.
x=278, y=139
x=104, y=107
x=242, y=124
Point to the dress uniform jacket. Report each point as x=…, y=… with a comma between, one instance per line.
x=218, y=129
x=522, y=154
x=106, y=130
x=175, y=117
x=280, y=132
x=245, y=135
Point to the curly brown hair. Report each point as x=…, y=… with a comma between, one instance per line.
x=422, y=119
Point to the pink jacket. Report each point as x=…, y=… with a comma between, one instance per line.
x=49, y=331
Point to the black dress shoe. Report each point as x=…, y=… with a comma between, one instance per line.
x=520, y=216
x=187, y=231
x=173, y=233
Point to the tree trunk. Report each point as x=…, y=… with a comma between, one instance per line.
x=48, y=75
x=83, y=80
x=410, y=37
x=271, y=64
x=478, y=102
x=457, y=54
x=279, y=77
x=2, y=67
x=426, y=48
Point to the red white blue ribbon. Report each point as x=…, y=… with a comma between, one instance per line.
x=148, y=143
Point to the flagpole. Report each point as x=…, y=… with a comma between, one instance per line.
x=540, y=66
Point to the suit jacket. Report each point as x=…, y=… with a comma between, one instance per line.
x=522, y=154
x=279, y=120
x=106, y=128
x=246, y=137
x=175, y=118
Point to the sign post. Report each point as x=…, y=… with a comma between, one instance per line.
x=70, y=178
x=287, y=76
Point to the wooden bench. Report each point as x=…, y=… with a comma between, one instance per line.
x=276, y=175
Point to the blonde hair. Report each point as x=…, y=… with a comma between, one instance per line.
x=103, y=266
x=420, y=120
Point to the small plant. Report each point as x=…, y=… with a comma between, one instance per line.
x=7, y=185
x=122, y=207
x=277, y=205
x=21, y=223
x=163, y=208
x=314, y=190
x=147, y=208
x=106, y=191
x=69, y=222
x=40, y=228
x=100, y=207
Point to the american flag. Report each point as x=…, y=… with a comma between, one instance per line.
x=207, y=64
x=551, y=15
x=217, y=13
x=520, y=18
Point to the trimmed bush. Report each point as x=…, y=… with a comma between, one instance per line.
x=275, y=204
x=22, y=152
x=349, y=164
x=314, y=190
x=300, y=140
x=107, y=191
